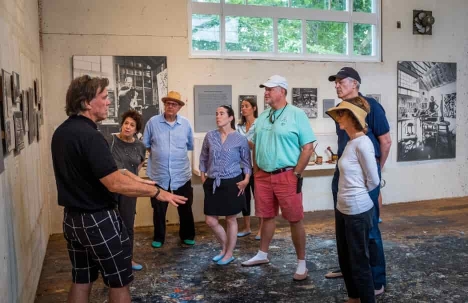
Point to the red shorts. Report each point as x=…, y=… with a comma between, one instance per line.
x=278, y=191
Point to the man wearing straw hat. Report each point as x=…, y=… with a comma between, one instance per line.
x=286, y=130
x=347, y=83
x=169, y=137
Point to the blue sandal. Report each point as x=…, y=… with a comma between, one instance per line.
x=221, y=262
x=243, y=234
x=217, y=258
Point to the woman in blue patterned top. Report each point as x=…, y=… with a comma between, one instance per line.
x=224, y=152
x=246, y=127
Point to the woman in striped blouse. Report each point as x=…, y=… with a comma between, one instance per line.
x=224, y=152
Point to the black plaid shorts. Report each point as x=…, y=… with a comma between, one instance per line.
x=98, y=242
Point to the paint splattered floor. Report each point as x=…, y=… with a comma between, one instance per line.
x=425, y=243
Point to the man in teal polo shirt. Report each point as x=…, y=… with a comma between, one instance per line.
x=283, y=145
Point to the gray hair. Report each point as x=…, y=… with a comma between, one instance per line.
x=357, y=82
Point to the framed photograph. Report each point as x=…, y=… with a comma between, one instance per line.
x=7, y=111
x=2, y=164
x=40, y=110
x=8, y=137
x=6, y=95
x=36, y=92
x=306, y=99
x=24, y=106
x=38, y=125
x=15, y=88
x=19, y=131
x=327, y=104
x=426, y=109
x=32, y=117
x=139, y=83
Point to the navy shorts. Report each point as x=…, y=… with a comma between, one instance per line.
x=98, y=242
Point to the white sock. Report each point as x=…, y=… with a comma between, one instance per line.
x=260, y=256
x=301, y=267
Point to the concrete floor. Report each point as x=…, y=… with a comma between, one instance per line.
x=425, y=244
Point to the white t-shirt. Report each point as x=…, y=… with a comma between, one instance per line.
x=358, y=176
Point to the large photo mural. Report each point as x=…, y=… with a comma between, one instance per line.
x=427, y=110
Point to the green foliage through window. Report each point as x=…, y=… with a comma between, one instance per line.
x=324, y=37
x=364, y=6
x=337, y=5
x=245, y=34
x=205, y=32
x=324, y=24
x=362, y=39
x=289, y=36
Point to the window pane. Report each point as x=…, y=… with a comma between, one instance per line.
x=363, y=39
x=205, y=32
x=289, y=36
x=338, y=5
x=364, y=6
x=269, y=2
x=325, y=37
x=207, y=1
x=247, y=34
x=235, y=1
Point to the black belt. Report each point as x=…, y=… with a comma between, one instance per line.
x=281, y=170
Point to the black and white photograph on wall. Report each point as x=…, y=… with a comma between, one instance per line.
x=427, y=100
x=36, y=92
x=38, y=125
x=7, y=110
x=40, y=110
x=24, y=107
x=306, y=99
x=376, y=97
x=2, y=164
x=32, y=117
x=243, y=97
x=19, y=131
x=9, y=129
x=15, y=88
x=135, y=82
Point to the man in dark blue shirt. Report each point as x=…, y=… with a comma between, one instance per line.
x=347, y=83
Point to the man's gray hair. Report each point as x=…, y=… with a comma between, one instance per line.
x=357, y=82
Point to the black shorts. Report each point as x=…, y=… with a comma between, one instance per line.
x=98, y=242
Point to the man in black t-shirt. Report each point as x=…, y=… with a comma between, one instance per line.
x=86, y=177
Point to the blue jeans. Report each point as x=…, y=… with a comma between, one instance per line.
x=376, y=251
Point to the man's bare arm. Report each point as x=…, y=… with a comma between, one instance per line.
x=385, y=142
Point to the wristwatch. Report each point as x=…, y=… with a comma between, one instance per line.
x=298, y=175
x=157, y=193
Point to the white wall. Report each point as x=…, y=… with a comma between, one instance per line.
x=159, y=28
x=24, y=200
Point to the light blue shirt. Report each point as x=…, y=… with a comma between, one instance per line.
x=242, y=129
x=224, y=160
x=279, y=144
x=168, y=162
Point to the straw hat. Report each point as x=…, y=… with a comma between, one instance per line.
x=173, y=96
x=356, y=111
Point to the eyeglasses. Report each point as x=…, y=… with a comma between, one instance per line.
x=171, y=104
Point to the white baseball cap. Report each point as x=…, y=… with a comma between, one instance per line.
x=275, y=81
